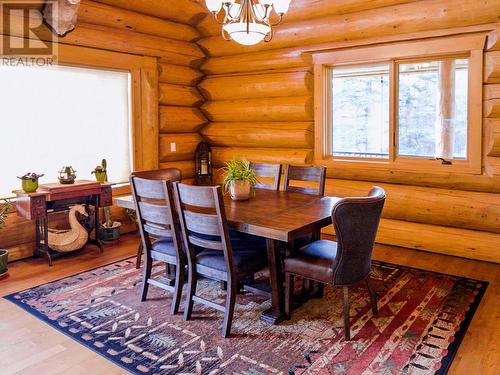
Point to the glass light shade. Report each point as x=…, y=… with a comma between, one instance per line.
x=234, y=10
x=255, y=34
x=214, y=5
x=281, y=6
x=266, y=2
x=260, y=11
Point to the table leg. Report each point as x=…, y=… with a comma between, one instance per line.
x=139, y=256
x=42, y=230
x=97, y=223
x=276, y=313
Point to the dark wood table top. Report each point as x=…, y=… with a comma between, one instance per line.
x=278, y=215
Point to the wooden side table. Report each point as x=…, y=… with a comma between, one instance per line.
x=55, y=197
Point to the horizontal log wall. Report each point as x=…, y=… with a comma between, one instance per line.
x=259, y=104
x=163, y=29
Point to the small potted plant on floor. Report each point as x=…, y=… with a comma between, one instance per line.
x=240, y=178
x=4, y=254
x=110, y=230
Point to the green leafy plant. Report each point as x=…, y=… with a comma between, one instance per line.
x=4, y=211
x=238, y=170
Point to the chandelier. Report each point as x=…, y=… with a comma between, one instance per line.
x=248, y=22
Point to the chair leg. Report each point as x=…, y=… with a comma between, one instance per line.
x=347, y=325
x=192, y=282
x=139, y=256
x=373, y=296
x=288, y=294
x=148, y=265
x=228, y=314
x=179, y=283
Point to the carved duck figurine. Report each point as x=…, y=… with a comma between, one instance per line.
x=65, y=241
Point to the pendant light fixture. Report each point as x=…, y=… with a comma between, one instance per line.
x=248, y=22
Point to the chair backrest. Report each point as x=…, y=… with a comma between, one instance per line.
x=305, y=174
x=268, y=172
x=155, y=209
x=203, y=220
x=167, y=174
x=356, y=222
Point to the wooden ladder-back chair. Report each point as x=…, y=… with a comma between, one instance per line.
x=305, y=174
x=166, y=174
x=209, y=249
x=160, y=233
x=346, y=261
x=268, y=172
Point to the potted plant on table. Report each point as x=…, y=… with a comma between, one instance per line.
x=110, y=230
x=30, y=182
x=240, y=178
x=4, y=254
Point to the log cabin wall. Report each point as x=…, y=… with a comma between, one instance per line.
x=163, y=30
x=259, y=103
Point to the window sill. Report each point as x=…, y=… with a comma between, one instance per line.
x=417, y=166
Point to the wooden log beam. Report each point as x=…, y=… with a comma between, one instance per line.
x=492, y=108
x=261, y=110
x=103, y=37
x=187, y=12
x=439, y=239
x=491, y=92
x=301, y=10
x=178, y=147
x=492, y=137
x=492, y=67
x=187, y=167
x=262, y=134
x=221, y=155
x=257, y=86
x=405, y=18
x=492, y=166
x=101, y=14
x=181, y=119
x=257, y=61
x=179, y=75
x=493, y=40
x=177, y=95
x=454, y=208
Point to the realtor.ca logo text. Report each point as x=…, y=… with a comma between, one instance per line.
x=26, y=40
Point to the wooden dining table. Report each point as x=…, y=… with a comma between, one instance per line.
x=279, y=217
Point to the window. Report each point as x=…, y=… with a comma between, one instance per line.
x=409, y=106
x=58, y=116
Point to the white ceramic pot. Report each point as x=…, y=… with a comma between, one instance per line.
x=240, y=190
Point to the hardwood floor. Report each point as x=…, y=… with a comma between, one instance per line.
x=29, y=346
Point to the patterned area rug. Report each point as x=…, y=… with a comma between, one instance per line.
x=423, y=317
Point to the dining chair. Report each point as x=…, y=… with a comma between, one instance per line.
x=346, y=261
x=160, y=233
x=204, y=227
x=167, y=174
x=268, y=172
x=304, y=173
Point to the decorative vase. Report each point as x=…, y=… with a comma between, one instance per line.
x=240, y=190
x=4, y=257
x=100, y=176
x=29, y=185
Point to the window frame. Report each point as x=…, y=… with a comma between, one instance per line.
x=470, y=46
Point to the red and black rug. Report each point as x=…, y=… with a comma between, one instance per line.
x=422, y=318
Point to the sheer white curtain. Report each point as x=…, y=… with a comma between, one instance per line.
x=56, y=116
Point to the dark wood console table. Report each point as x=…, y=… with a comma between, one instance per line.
x=56, y=197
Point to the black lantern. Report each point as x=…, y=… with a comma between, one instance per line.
x=203, y=160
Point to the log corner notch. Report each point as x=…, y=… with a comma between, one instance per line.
x=61, y=15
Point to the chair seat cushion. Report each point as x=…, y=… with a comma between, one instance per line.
x=249, y=255
x=314, y=261
x=163, y=246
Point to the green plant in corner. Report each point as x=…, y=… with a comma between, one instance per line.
x=4, y=254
